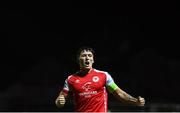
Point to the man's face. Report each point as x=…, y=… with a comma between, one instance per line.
x=86, y=59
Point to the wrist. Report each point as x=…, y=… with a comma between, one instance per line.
x=133, y=100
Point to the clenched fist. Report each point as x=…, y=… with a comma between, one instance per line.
x=60, y=101
x=140, y=101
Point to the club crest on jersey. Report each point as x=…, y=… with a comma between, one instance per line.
x=95, y=79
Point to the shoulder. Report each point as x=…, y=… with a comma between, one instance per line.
x=101, y=72
x=71, y=78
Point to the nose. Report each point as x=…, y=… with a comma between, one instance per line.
x=87, y=57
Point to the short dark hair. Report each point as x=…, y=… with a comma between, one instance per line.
x=83, y=49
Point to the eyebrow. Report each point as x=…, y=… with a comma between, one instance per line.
x=87, y=53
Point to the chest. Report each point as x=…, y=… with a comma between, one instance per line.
x=88, y=83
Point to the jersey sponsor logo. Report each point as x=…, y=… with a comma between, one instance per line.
x=95, y=79
x=87, y=86
x=88, y=94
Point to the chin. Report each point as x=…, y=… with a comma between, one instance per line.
x=87, y=68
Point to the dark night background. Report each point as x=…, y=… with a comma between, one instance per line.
x=136, y=42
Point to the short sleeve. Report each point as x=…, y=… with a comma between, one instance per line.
x=109, y=79
x=66, y=87
x=111, y=86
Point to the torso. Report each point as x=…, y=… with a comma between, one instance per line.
x=89, y=91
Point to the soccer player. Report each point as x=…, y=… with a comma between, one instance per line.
x=89, y=85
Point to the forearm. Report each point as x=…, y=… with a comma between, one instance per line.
x=124, y=97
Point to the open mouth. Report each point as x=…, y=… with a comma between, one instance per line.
x=87, y=63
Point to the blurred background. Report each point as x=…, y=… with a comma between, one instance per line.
x=136, y=42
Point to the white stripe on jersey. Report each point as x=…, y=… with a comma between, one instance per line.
x=105, y=100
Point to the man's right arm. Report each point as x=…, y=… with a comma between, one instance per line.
x=61, y=99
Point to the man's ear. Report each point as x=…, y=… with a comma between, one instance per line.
x=93, y=60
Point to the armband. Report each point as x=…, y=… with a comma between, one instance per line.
x=112, y=87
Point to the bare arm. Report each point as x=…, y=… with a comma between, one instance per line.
x=61, y=99
x=126, y=98
x=122, y=95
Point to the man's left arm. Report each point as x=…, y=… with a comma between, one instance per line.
x=124, y=97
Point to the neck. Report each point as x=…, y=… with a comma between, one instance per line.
x=85, y=71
